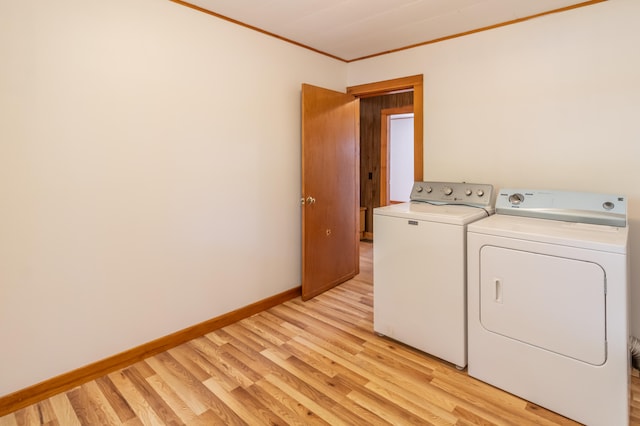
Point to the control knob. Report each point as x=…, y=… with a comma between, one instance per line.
x=468, y=192
x=429, y=189
x=516, y=198
x=480, y=192
x=418, y=189
x=448, y=191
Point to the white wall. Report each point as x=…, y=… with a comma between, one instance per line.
x=401, y=176
x=149, y=175
x=550, y=103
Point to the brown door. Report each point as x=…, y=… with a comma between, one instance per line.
x=330, y=189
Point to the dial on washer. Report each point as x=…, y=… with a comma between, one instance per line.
x=516, y=198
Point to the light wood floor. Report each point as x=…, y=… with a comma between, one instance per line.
x=300, y=363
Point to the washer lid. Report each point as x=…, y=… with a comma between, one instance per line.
x=451, y=214
x=574, y=234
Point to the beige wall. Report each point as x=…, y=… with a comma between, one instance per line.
x=149, y=175
x=550, y=103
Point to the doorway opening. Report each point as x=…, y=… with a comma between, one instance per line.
x=407, y=93
x=396, y=155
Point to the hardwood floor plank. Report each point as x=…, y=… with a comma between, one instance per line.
x=380, y=371
x=248, y=364
x=115, y=399
x=414, y=357
x=172, y=400
x=475, y=389
x=90, y=407
x=394, y=365
x=473, y=418
x=8, y=420
x=216, y=338
x=483, y=401
x=333, y=389
x=242, y=403
x=345, y=323
x=255, y=408
x=208, y=356
x=345, y=303
x=423, y=407
x=304, y=415
x=242, y=334
x=277, y=322
x=100, y=403
x=257, y=334
x=64, y=410
x=345, y=340
x=195, y=395
x=302, y=385
x=247, y=333
x=274, y=405
x=317, y=361
x=428, y=395
x=188, y=358
x=208, y=418
x=321, y=342
x=387, y=410
x=293, y=322
x=46, y=413
x=551, y=417
x=220, y=360
x=27, y=416
x=136, y=401
x=323, y=411
x=370, y=374
x=134, y=422
x=143, y=369
x=260, y=326
x=156, y=402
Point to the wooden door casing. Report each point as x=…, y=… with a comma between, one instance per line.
x=370, y=152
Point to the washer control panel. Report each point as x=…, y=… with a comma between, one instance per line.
x=472, y=194
x=583, y=207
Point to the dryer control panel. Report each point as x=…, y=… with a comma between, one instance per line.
x=469, y=194
x=568, y=206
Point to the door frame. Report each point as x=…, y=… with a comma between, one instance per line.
x=397, y=85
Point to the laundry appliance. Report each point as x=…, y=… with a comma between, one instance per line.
x=419, y=266
x=548, y=286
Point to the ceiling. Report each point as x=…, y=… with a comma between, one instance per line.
x=355, y=29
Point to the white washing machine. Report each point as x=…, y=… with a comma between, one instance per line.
x=419, y=264
x=547, y=302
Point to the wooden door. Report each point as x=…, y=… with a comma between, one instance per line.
x=330, y=189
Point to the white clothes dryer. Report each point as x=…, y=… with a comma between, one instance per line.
x=419, y=266
x=548, y=287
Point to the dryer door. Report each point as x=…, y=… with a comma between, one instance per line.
x=554, y=303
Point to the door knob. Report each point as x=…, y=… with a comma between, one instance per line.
x=311, y=200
